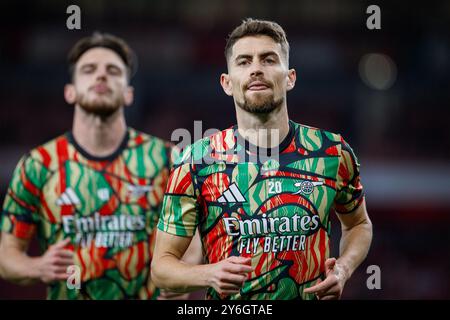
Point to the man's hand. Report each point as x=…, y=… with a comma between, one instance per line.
x=331, y=288
x=228, y=276
x=171, y=273
x=52, y=266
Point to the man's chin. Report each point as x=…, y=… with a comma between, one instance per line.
x=264, y=109
x=263, y=106
x=100, y=110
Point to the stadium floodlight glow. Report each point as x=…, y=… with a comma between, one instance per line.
x=378, y=71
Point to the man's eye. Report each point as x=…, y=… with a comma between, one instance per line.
x=114, y=71
x=87, y=70
x=242, y=63
x=270, y=61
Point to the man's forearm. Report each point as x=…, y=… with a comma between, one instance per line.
x=18, y=268
x=172, y=274
x=354, y=246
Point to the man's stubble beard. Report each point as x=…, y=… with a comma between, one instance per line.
x=264, y=106
x=100, y=107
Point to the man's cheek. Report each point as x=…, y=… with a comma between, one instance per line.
x=237, y=91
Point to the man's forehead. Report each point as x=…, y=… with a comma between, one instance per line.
x=254, y=45
x=100, y=55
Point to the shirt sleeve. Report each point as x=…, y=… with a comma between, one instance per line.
x=172, y=153
x=179, y=214
x=19, y=216
x=350, y=192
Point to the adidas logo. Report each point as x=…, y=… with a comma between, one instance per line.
x=232, y=195
x=68, y=198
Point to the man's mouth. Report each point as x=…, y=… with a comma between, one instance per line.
x=257, y=86
x=101, y=88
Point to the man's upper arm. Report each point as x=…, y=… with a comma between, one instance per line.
x=349, y=190
x=169, y=244
x=194, y=254
x=179, y=214
x=21, y=206
x=349, y=202
x=358, y=216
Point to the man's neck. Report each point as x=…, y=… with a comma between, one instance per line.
x=98, y=136
x=263, y=130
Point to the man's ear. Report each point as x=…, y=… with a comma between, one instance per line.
x=70, y=94
x=128, y=95
x=291, y=78
x=225, y=82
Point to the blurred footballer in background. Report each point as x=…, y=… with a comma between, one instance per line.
x=92, y=195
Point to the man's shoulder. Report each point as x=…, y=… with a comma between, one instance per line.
x=47, y=153
x=314, y=135
x=159, y=150
x=137, y=138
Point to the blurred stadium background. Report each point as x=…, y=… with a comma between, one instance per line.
x=387, y=91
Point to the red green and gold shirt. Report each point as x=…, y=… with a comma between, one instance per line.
x=274, y=209
x=108, y=207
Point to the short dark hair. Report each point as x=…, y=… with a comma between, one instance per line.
x=252, y=27
x=103, y=40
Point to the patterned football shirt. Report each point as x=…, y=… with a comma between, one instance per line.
x=109, y=208
x=273, y=207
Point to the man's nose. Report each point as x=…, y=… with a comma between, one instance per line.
x=101, y=74
x=256, y=69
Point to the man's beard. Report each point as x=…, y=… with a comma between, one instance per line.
x=101, y=107
x=260, y=106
